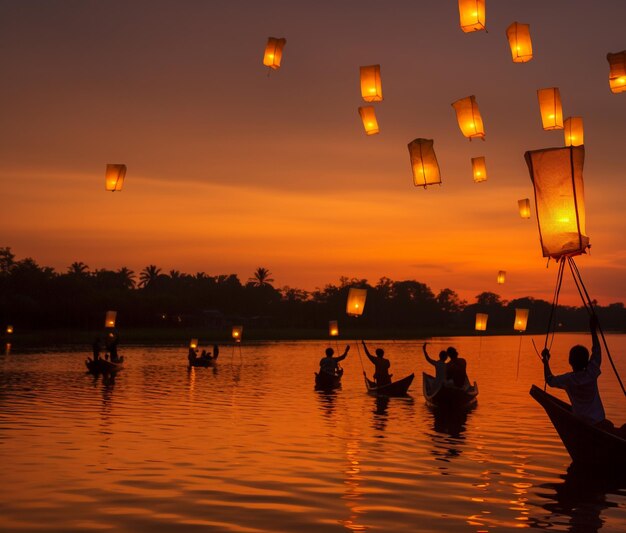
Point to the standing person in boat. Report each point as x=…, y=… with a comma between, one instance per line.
x=581, y=384
x=330, y=365
x=381, y=372
x=440, y=366
x=192, y=354
x=456, y=368
x=97, y=348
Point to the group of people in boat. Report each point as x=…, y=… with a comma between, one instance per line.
x=449, y=373
x=204, y=356
x=111, y=341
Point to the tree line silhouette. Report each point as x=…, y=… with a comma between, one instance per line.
x=37, y=297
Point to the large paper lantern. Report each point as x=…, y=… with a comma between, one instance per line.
x=109, y=319
x=424, y=163
x=273, y=52
x=193, y=343
x=518, y=35
x=521, y=319
x=524, y=207
x=468, y=117
x=501, y=278
x=481, y=321
x=617, y=71
x=550, y=108
x=573, y=129
x=371, y=85
x=472, y=15
x=333, y=328
x=237, y=333
x=479, y=169
x=368, y=116
x=356, y=301
x=114, y=178
x=557, y=176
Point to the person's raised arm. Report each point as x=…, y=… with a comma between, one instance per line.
x=596, y=351
x=428, y=358
x=345, y=354
x=367, y=352
x=547, y=373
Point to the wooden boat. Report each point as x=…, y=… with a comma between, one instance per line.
x=204, y=362
x=324, y=381
x=586, y=443
x=393, y=389
x=104, y=366
x=448, y=396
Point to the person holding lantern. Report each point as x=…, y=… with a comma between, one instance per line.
x=330, y=365
x=381, y=372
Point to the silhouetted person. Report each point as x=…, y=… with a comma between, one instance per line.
x=216, y=351
x=192, y=355
x=456, y=368
x=97, y=348
x=440, y=366
x=330, y=365
x=381, y=372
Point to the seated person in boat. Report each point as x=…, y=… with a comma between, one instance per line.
x=208, y=356
x=456, y=369
x=440, y=366
x=381, y=372
x=330, y=365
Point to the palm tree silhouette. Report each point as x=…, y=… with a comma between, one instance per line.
x=261, y=278
x=78, y=268
x=149, y=275
x=127, y=277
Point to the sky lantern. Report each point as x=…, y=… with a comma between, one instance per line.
x=114, y=179
x=479, y=169
x=617, y=72
x=237, y=333
x=424, y=163
x=518, y=35
x=356, y=301
x=481, y=321
x=371, y=86
x=333, y=328
x=524, y=207
x=468, y=117
x=550, y=108
x=368, y=116
x=9, y=330
x=573, y=130
x=109, y=319
x=557, y=176
x=472, y=15
x=273, y=52
x=501, y=276
x=521, y=319
x=193, y=344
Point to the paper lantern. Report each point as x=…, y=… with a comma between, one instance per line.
x=371, y=86
x=356, y=301
x=9, y=330
x=368, y=116
x=237, y=333
x=114, y=179
x=109, y=319
x=518, y=35
x=501, y=277
x=472, y=15
x=557, y=176
x=617, y=71
x=521, y=319
x=479, y=169
x=468, y=117
x=550, y=108
x=524, y=208
x=573, y=129
x=193, y=343
x=424, y=163
x=481, y=321
x=273, y=52
x=333, y=328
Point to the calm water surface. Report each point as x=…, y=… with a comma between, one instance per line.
x=251, y=447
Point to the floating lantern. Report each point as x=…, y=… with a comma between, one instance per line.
x=114, y=179
x=550, y=108
x=479, y=169
x=273, y=52
x=237, y=333
x=501, y=277
x=521, y=319
x=557, y=176
x=193, y=343
x=109, y=319
x=472, y=15
x=9, y=330
x=518, y=35
x=371, y=86
x=573, y=129
x=481, y=321
x=524, y=208
x=424, y=163
x=617, y=73
x=333, y=328
x=468, y=117
x=368, y=116
x=356, y=301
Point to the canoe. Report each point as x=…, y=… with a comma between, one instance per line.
x=204, y=362
x=324, y=381
x=448, y=396
x=102, y=366
x=586, y=443
x=393, y=389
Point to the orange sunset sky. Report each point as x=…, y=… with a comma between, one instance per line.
x=229, y=169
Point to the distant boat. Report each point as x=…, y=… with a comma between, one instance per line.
x=393, y=389
x=104, y=366
x=586, y=443
x=448, y=396
x=327, y=382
